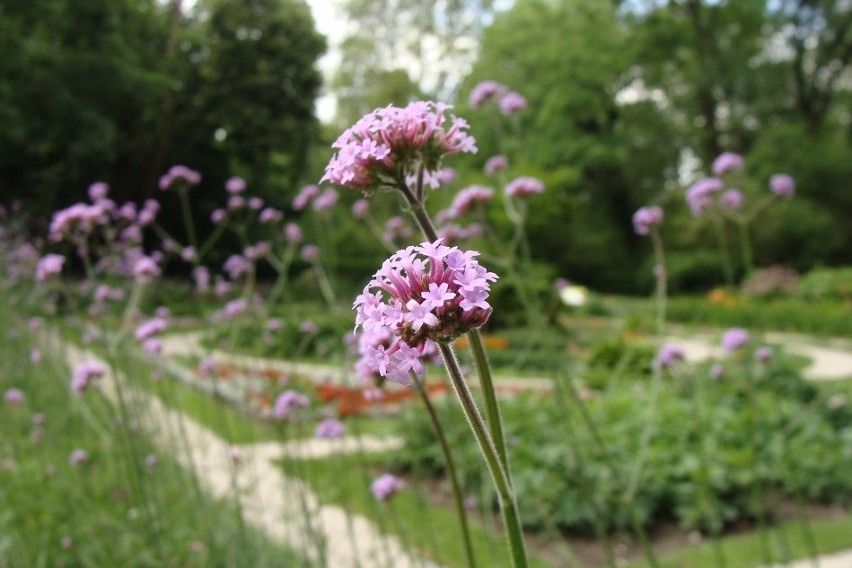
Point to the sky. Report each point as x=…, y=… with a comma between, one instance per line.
x=329, y=23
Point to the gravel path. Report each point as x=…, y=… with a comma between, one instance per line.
x=270, y=500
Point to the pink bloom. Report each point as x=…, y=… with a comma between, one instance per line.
x=201, y=275
x=98, y=190
x=232, y=309
x=325, y=200
x=270, y=215
x=391, y=143
x=77, y=220
x=329, y=428
x=179, y=175
x=731, y=199
x=287, y=401
x=13, y=396
x=698, y=194
x=151, y=461
x=485, y=90
x=78, y=456
x=646, y=218
x=150, y=328
x=360, y=208
x=511, y=102
x=385, y=486
x=734, y=338
x=305, y=195
x=308, y=327
x=726, y=162
x=152, y=345
x=523, y=186
x=236, y=265
x=218, y=215
x=145, y=269
x=235, y=184
x=782, y=185
x=236, y=202
x=495, y=165
x=206, y=366
x=310, y=253
x=468, y=197
x=763, y=353
x=668, y=355
x=84, y=373
x=35, y=356
x=292, y=233
x=255, y=203
x=431, y=292
x=49, y=265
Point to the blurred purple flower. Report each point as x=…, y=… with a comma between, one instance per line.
x=329, y=428
x=782, y=185
x=385, y=486
x=495, y=165
x=287, y=401
x=734, y=338
x=235, y=184
x=646, y=218
x=726, y=162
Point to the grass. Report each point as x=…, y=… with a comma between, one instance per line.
x=430, y=529
x=113, y=508
x=744, y=551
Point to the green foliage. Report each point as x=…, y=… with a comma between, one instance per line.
x=112, y=509
x=777, y=314
x=821, y=284
x=618, y=359
x=707, y=448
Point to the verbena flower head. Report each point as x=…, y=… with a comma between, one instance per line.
x=763, y=353
x=84, y=373
x=495, y=165
x=468, y=197
x=235, y=184
x=726, y=162
x=150, y=328
x=49, y=265
x=668, y=355
x=385, y=486
x=98, y=191
x=429, y=292
x=78, y=219
x=329, y=428
x=13, y=396
x=646, y=218
x=734, y=339
x=698, y=195
x=524, y=186
x=511, y=102
x=288, y=401
x=78, y=456
x=485, y=90
x=731, y=199
x=782, y=185
x=392, y=143
x=179, y=175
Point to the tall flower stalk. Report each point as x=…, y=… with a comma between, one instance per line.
x=429, y=294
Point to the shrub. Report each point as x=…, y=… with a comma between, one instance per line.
x=822, y=284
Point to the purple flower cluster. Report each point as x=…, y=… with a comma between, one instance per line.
x=495, y=165
x=385, y=486
x=287, y=402
x=49, y=265
x=329, y=428
x=668, y=355
x=646, y=218
x=726, y=162
x=699, y=196
x=84, y=373
x=390, y=144
x=468, y=197
x=78, y=219
x=507, y=100
x=734, y=338
x=429, y=292
x=235, y=184
x=179, y=174
x=524, y=186
x=782, y=185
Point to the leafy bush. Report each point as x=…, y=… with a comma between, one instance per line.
x=710, y=443
x=821, y=284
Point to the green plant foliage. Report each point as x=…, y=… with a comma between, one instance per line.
x=707, y=449
x=826, y=284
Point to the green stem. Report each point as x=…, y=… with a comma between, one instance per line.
x=451, y=470
x=187, y=217
x=499, y=475
x=486, y=384
x=724, y=257
x=661, y=277
x=745, y=247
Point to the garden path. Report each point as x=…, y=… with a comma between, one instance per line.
x=269, y=499
x=830, y=359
